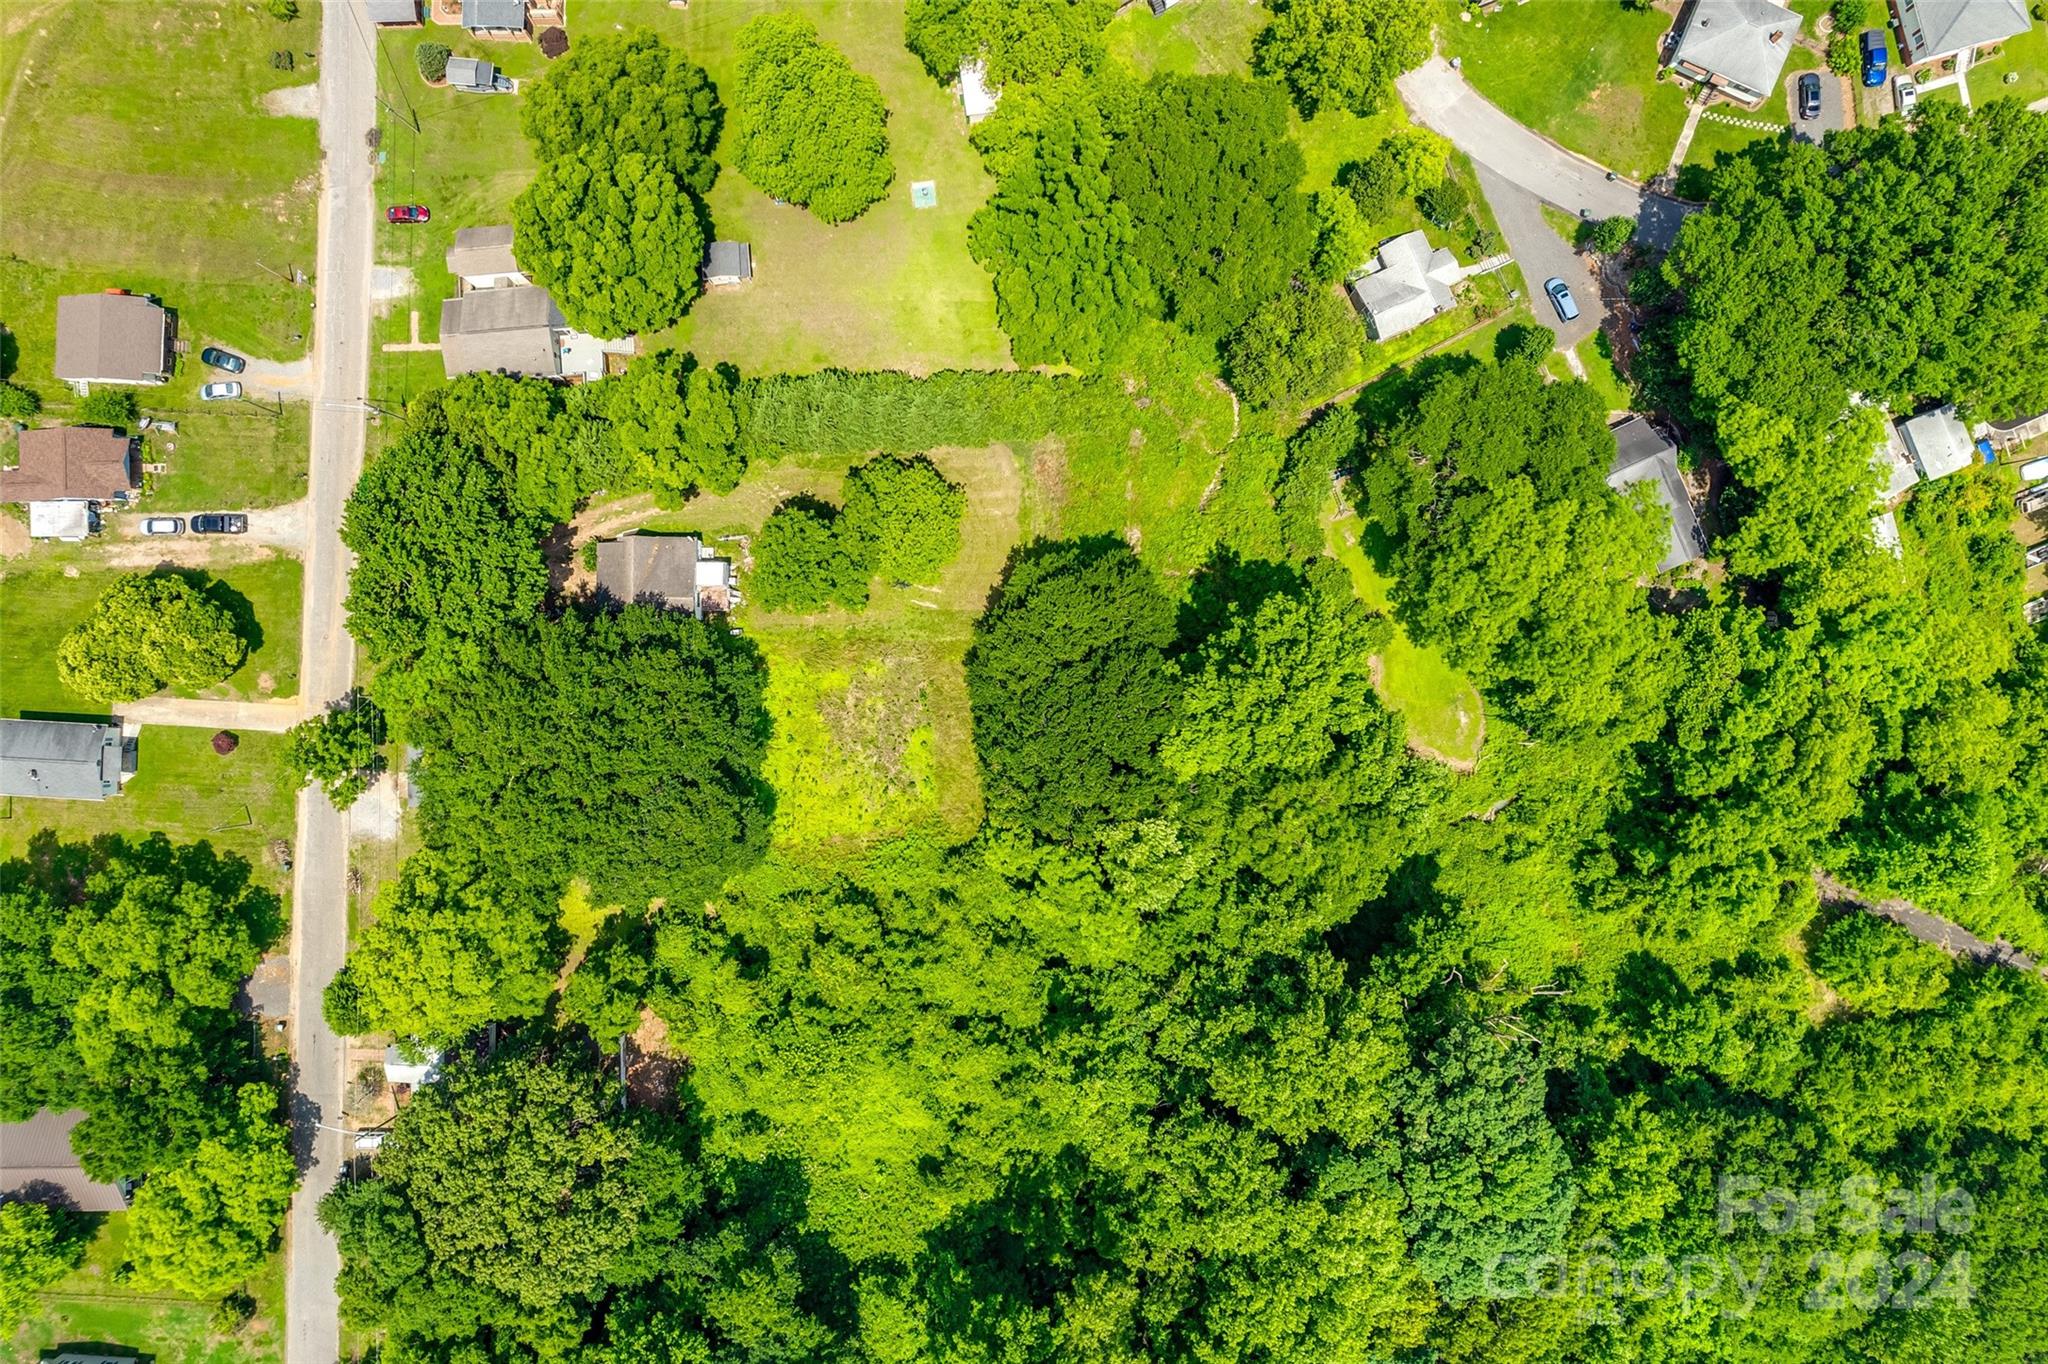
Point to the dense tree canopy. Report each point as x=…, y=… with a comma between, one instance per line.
x=338, y=749
x=1342, y=54
x=629, y=93
x=1018, y=40
x=805, y=559
x=146, y=632
x=623, y=747
x=906, y=515
x=615, y=241
x=1293, y=348
x=806, y=126
x=34, y=1253
x=204, y=1225
x=676, y=423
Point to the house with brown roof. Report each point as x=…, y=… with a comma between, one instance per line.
x=65, y=470
x=112, y=338
x=675, y=572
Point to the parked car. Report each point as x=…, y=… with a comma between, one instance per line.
x=1809, y=95
x=223, y=359
x=1907, y=94
x=216, y=392
x=163, y=525
x=1873, y=57
x=2037, y=554
x=1561, y=299
x=407, y=213
x=220, y=523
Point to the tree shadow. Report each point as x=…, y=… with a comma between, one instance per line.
x=10, y=353
x=1225, y=582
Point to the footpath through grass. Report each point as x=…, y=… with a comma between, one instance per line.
x=1584, y=75
x=89, y=1306
x=40, y=603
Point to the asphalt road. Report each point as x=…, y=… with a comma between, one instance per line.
x=1440, y=99
x=341, y=349
x=1543, y=254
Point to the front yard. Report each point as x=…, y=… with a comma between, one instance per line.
x=1584, y=75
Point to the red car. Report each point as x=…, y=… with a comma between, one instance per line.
x=407, y=213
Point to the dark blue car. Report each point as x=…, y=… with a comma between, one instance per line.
x=1873, y=57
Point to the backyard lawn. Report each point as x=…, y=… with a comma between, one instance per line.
x=1589, y=82
x=1194, y=38
x=41, y=602
x=2025, y=57
x=895, y=288
x=88, y=1306
x=136, y=152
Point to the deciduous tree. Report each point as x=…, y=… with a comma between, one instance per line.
x=1342, y=53
x=806, y=126
x=614, y=238
x=147, y=632
x=629, y=93
x=1294, y=348
x=204, y=1226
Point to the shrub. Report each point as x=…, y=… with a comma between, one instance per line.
x=18, y=403
x=284, y=11
x=1524, y=341
x=1607, y=236
x=341, y=1004
x=803, y=563
x=339, y=749
x=232, y=1313
x=113, y=407
x=1850, y=15
x=225, y=743
x=1843, y=56
x=902, y=519
x=433, y=61
x=1294, y=348
x=148, y=632
x=806, y=126
x=1444, y=203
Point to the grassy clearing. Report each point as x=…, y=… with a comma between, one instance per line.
x=87, y=1305
x=41, y=603
x=1442, y=708
x=240, y=803
x=1194, y=38
x=2025, y=58
x=136, y=152
x=1596, y=353
x=1588, y=82
x=872, y=733
x=894, y=289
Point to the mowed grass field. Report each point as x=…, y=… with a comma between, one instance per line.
x=1582, y=74
x=41, y=600
x=893, y=289
x=136, y=152
x=88, y=1305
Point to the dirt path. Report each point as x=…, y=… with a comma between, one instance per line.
x=264, y=717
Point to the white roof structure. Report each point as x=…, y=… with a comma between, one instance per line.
x=1884, y=528
x=1937, y=442
x=69, y=519
x=399, y=1071
x=1410, y=284
x=1738, y=44
x=1936, y=28
x=1894, y=464
x=975, y=97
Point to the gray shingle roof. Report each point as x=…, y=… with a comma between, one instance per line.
x=482, y=251
x=392, y=11
x=1642, y=455
x=509, y=329
x=494, y=13
x=59, y=759
x=471, y=73
x=1952, y=25
x=1732, y=38
x=1412, y=285
x=643, y=568
x=112, y=338
x=729, y=260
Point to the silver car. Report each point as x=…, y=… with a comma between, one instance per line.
x=216, y=392
x=164, y=525
x=1561, y=299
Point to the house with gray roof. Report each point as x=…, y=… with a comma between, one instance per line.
x=675, y=572
x=112, y=338
x=494, y=18
x=1937, y=442
x=63, y=759
x=729, y=263
x=1735, y=47
x=1408, y=284
x=1643, y=455
x=516, y=330
x=1930, y=30
x=475, y=76
x=37, y=1166
x=482, y=258
x=392, y=12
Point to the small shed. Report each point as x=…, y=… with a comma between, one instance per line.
x=1937, y=442
x=975, y=97
x=392, y=12
x=475, y=76
x=1160, y=7
x=729, y=263
x=400, y=1071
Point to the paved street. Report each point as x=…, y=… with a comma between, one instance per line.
x=1439, y=99
x=341, y=341
x=1543, y=254
x=1930, y=929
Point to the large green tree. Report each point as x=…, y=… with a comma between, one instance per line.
x=629, y=93
x=146, y=632
x=205, y=1225
x=1342, y=54
x=35, y=1252
x=1017, y=40
x=906, y=515
x=1293, y=348
x=616, y=241
x=806, y=126
x=677, y=423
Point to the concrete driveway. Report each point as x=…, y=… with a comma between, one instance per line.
x=1543, y=254
x=1440, y=99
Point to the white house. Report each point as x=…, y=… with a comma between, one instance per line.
x=1937, y=442
x=1737, y=47
x=482, y=259
x=975, y=97
x=1408, y=284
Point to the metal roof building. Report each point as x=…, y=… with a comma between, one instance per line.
x=1937, y=442
x=62, y=759
x=37, y=1166
x=729, y=263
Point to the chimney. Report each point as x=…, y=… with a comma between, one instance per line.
x=1778, y=36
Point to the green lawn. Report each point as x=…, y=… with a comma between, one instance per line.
x=1442, y=708
x=88, y=1306
x=893, y=289
x=1596, y=353
x=135, y=152
x=2025, y=57
x=42, y=600
x=1587, y=80
x=240, y=803
x=1195, y=37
